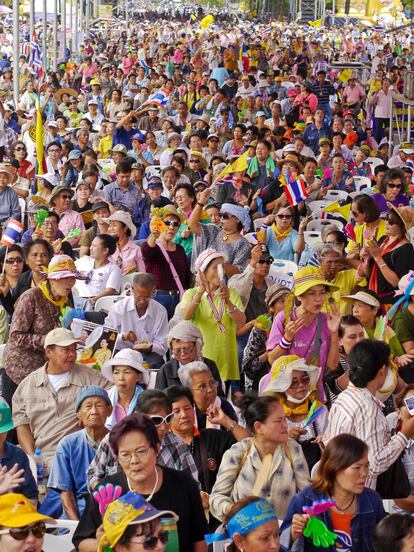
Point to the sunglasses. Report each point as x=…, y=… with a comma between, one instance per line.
x=225, y=216
x=19, y=149
x=284, y=217
x=304, y=380
x=38, y=530
x=394, y=186
x=194, y=160
x=65, y=196
x=54, y=150
x=17, y=260
x=159, y=420
x=265, y=261
x=150, y=543
x=173, y=223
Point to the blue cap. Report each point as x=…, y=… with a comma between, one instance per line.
x=91, y=391
x=139, y=136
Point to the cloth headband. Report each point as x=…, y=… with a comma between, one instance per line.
x=237, y=212
x=247, y=519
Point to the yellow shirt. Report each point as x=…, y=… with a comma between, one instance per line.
x=361, y=240
x=346, y=280
x=105, y=144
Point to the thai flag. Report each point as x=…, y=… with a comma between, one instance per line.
x=25, y=49
x=160, y=98
x=379, y=29
x=36, y=58
x=295, y=192
x=267, y=30
x=244, y=57
x=144, y=65
x=12, y=234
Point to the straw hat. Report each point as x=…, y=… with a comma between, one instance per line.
x=123, y=216
x=290, y=159
x=306, y=278
x=406, y=214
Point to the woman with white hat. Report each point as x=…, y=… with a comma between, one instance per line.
x=130, y=377
x=217, y=311
x=128, y=254
x=293, y=382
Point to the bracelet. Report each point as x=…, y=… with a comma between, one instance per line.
x=264, y=226
x=195, y=302
x=200, y=204
x=382, y=265
x=285, y=344
x=232, y=310
x=232, y=427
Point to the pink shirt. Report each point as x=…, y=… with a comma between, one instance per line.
x=120, y=412
x=353, y=95
x=69, y=220
x=129, y=259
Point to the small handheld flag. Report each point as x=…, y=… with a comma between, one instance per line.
x=12, y=233
x=295, y=192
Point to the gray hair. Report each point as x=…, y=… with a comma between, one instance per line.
x=327, y=248
x=144, y=280
x=186, y=372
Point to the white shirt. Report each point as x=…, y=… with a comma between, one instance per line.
x=108, y=276
x=396, y=162
x=152, y=326
x=56, y=381
x=383, y=105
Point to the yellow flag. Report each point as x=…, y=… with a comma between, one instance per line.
x=207, y=21
x=39, y=139
x=316, y=24
x=345, y=75
x=334, y=207
x=193, y=17
x=239, y=165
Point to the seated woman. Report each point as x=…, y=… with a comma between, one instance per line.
x=279, y=235
x=185, y=343
x=394, y=533
x=23, y=530
x=128, y=254
x=293, y=383
x=130, y=377
x=136, y=444
x=251, y=525
x=74, y=453
x=104, y=276
x=341, y=476
x=247, y=467
x=391, y=190
x=12, y=265
x=211, y=410
x=138, y=525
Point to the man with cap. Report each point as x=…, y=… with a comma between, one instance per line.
x=100, y=210
x=122, y=191
x=139, y=151
x=317, y=130
x=399, y=160
x=9, y=200
x=124, y=130
x=141, y=211
x=150, y=121
x=67, y=479
x=94, y=115
x=43, y=404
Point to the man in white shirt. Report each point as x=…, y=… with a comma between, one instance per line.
x=399, y=160
x=141, y=321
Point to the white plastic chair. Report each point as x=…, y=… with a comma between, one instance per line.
x=2, y=348
x=281, y=278
x=151, y=170
x=312, y=238
x=317, y=206
x=374, y=162
x=314, y=470
x=288, y=267
x=126, y=282
x=336, y=195
x=366, y=191
x=258, y=223
x=318, y=224
x=362, y=182
x=104, y=304
x=22, y=205
x=152, y=379
x=62, y=543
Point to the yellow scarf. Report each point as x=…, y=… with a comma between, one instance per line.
x=300, y=408
x=281, y=235
x=44, y=288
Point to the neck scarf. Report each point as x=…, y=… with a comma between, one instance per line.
x=253, y=169
x=300, y=409
x=60, y=303
x=385, y=248
x=113, y=396
x=279, y=235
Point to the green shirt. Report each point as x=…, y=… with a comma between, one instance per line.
x=404, y=326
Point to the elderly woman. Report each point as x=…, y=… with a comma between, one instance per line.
x=22, y=528
x=341, y=476
x=136, y=445
x=36, y=313
x=130, y=377
x=217, y=311
x=248, y=467
x=251, y=525
x=128, y=255
x=185, y=343
x=226, y=237
x=138, y=525
x=293, y=383
x=166, y=260
x=211, y=410
x=391, y=190
x=61, y=204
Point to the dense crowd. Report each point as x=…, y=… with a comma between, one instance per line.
x=206, y=290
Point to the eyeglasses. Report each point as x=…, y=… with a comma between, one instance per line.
x=17, y=260
x=38, y=530
x=54, y=150
x=159, y=420
x=284, y=217
x=65, y=196
x=194, y=160
x=183, y=351
x=334, y=243
x=225, y=216
x=173, y=223
x=204, y=387
x=19, y=148
x=149, y=543
x=304, y=380
x=140, y=454
x=394, y=186
x=265, y=261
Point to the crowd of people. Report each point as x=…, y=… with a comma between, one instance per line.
x=207, y=318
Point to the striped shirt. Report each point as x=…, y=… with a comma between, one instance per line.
x=358, y=412
x=323, y=91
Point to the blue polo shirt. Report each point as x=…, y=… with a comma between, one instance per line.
x=123, y=136
x=312, y=135
x=14, y=455
x=128, y=197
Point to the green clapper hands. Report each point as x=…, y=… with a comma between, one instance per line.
x=319, y=533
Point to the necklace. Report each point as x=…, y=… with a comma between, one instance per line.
x=148, y=499
x=227, y=234
x=346, y=507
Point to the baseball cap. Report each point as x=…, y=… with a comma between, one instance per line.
x=75, y=154
x=363, y=297
x=138, y=136
x=120, y=148
x=260, y=114
x=93, y=102
x=155, y=182
x=99, y=205
x=17, y=511
x=62, y=337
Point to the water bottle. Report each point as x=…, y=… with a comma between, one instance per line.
x=39, y=466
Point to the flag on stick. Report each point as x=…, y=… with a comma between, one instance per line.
x=295, y=191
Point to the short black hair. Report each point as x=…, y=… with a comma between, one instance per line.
x=177, y=392
x=365, y=361
x=108, y=242
x=152, y=399
x=390, y=532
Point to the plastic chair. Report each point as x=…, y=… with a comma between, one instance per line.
x=362, y=182
x=22, y=205
x=280, y=277
x=258, y=223
x=152, y=378
x=317, y=206
x=336, y=195
x=2, y=348
x=312, y=238
x=62, y=542
x=126, y=282
x=314, y=470
x=288, y=267
x=318, y=224
x=104, y=304
x=374, y=162
x=152, y=170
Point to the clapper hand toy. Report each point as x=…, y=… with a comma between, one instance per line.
x=315, y=528
x=105, y=494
